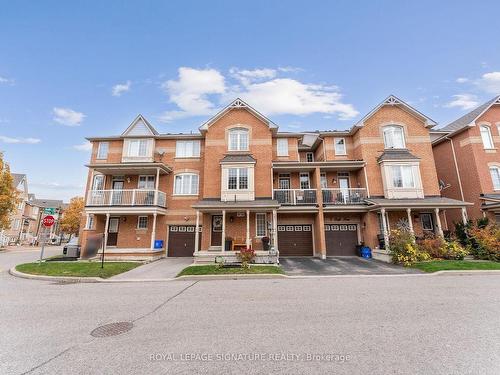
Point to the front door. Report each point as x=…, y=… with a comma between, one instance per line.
x=344, y=188
x=285, y=196
x=114, y=223
x=117, y=192
x=216, y=239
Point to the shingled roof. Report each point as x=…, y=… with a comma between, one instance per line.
x=470, y=117
x=238, y=159
x=17, y=178
x=397, y=154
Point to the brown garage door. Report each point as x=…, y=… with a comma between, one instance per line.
x=295, y=240
x=181, y=240
x=341, y=239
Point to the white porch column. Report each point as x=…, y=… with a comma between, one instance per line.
x=438, y=223
x=464, y=215
x=410, y=221
x=197, y=233
x=223, y=234
x=248, y=229
x=157, y=185
x=153, y=231
x=384, y=228
x=106, y=228
x=275, y=229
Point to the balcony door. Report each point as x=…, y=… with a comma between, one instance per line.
x=344, y=188
x=117, y=192
x=114, y=224
x=284, y=196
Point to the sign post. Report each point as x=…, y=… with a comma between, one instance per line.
x=47, y=222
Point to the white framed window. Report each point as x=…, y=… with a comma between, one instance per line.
x=486, y=137
x=20, y=205
x=142, y=222
x=102, y=150
x=146, y=182
x=323, y=180
x=426, y=220
x=394, y=137
x=309, y=157
x=402, y=176
x=187, y=149
x=237, y=179
x=90, y=222
x=16, y=224
x=304, y=181
x=495, y=177
x=282, y=145
x=138, y=147
x=340, y=148
x=260, y=225
x=98, y=183
x=238, y=139
x=186, y=184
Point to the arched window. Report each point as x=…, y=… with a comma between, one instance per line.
x=394, y=136
x=486, y=136
x=186, y=184
x=238, y=139
x=495, y=177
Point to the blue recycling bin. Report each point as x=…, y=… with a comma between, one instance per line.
x=366, y=252
x=158, y=244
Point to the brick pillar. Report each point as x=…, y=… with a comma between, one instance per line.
x=320, y=220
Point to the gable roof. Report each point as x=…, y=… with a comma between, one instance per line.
x=469, y=118
x=238, y=104
x=17, y=178
x=394, y=101
x=139, y=127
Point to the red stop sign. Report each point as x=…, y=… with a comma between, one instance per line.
x=48, y=221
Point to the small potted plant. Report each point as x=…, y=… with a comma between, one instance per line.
x=265, y=242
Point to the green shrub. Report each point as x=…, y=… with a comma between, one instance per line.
x=403, y=248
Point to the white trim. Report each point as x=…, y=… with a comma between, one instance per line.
x=265, y=224
x=387, y=127
x=283, y=141
x=182, y=178
x=335, y=146
x=185, y=141
x=312, y=154
x=135, y=121
x=491, y=146
x=139, y=220
x=239, y=131
x=99, y=144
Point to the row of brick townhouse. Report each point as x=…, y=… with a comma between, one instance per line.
x=240, y=180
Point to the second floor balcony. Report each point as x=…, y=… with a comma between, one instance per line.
x=332, y=196
x=294, y=197
x=127, y=197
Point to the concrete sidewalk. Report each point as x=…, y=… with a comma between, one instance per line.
x=161, y=269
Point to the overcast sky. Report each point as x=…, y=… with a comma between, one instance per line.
x=68, y=71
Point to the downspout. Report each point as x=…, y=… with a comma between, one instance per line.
x=456, y=168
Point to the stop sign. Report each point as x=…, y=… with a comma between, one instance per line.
x=48, y=221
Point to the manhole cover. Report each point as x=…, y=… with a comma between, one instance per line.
x=112, y=329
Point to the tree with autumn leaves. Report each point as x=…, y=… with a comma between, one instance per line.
x=72, y=216
x=9, y=196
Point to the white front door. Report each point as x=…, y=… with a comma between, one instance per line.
x=344, y=188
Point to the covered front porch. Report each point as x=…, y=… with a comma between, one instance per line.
x=233, y=226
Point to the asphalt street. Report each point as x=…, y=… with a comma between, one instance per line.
x=367, y=325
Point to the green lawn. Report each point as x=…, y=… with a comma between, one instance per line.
x=212, y=269
x=77, y=269
x=456, y=265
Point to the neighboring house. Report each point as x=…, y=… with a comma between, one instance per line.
x=468, y=161
x=313, y=194
x=21, y=219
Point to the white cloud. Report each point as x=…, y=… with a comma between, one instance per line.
x=462, y=80
x=191, y=92
x=490, y=82
x=85, y=146
x=463, y=101
x=201, y=92
x=6, y=81
x=67, y=116
x=11, y=140
x=121, y=88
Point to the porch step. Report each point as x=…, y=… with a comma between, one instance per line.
x=215, y=248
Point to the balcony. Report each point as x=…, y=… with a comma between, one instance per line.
x=344, y=196
x=295, y=197
x=130, y=197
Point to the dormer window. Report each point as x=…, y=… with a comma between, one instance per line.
x=238, y=139
x=394, y=137
x=486, y=137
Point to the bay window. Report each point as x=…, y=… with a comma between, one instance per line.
x=486, y=137
x=394, y=137
x=237, y=179
x=186, y=184
x=238, y=139
x=402, y=176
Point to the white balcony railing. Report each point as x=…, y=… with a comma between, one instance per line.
x=295, y=197
x=344, y=196
x=129, y=197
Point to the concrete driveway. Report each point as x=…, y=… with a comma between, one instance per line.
x=161, y=269
x=309, y=266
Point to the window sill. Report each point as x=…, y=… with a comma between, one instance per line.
x=185, y=195
x=187, y=157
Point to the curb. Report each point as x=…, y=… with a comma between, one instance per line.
x=89, y=280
